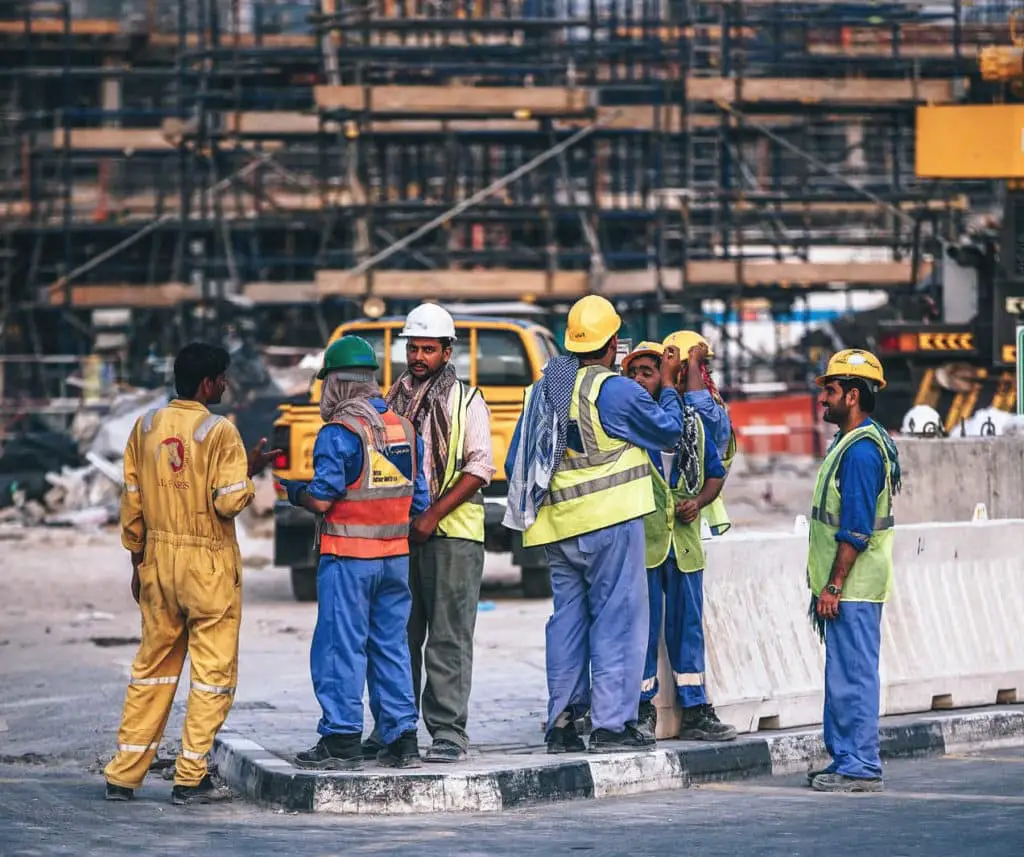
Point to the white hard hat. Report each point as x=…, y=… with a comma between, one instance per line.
x=428, y=321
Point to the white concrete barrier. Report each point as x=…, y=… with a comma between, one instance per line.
x=951, y=633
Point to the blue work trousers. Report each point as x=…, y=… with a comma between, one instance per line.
x=597, y=635
x=852, y=690
x=362, y=613
x=681, y=597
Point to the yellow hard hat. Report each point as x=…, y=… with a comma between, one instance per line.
x=643, y=349
x=854, y=363
x=592, y=322
x=684, y=340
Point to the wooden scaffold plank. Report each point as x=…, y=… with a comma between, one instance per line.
x=454, y=100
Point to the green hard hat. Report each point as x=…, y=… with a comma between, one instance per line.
x=349, y=352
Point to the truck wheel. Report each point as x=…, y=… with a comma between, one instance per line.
x=304, y=584
x=536, y=582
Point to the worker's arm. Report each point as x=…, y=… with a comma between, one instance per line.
x=336, y=453
x=629, y=413
x=133, y=524
x=420, y=485
x=861, y=480
x=714, y=478
x=229, y=476
x=715, y=416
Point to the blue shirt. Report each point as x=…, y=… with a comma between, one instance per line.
x=861, y=480
x=715, y=417
x=338, y=461
x=627, y=412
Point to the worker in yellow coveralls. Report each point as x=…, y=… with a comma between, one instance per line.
x=186, y=477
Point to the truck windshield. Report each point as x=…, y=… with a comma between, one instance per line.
x=501, y=359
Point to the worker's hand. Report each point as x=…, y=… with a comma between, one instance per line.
x=687, y=511
x=136, y=583
x=258, y=459
x=293, y=487
x=697, y=354
x=670, y=366
x=828, y=605
x=422, y=527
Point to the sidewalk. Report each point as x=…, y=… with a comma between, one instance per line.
x=275, y=715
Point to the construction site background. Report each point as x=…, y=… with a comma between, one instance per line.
x=255, y=172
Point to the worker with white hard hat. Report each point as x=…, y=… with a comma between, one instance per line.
x=687, y=478
x=446, y=560
x=850, y=567
x=700, y=391
x=580, y=484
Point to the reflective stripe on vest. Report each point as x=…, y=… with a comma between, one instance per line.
x=606, y=484
x=465, y=521
x=372, y=520
x=715, y=513
x=663, y=531
x=870, y=579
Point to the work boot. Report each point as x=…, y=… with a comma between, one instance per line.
x=332, y=753
x=629, y=740
x=813, y=774
x=205, y=792
x=443, y=750
x=647, y=720
x=403, y=752
x=120, y=793
x=564, y=737
x=843, y=783
x=700, y=723
x=371, y=747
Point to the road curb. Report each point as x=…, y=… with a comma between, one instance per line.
x=491, y=784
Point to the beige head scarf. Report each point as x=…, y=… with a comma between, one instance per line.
x=347, y=394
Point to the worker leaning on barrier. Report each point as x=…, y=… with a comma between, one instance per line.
x=687, y=477
x=849, y=567
x=186, y=477
x=699, y=390
x=579, y=484
x=367, y=482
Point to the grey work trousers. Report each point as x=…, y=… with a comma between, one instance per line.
x=444, y=576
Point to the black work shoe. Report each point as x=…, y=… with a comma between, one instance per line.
x=370, y=748
x=332, y=753
x=403, y=752
x=205, y=792
x=119, y=793
x=647, y=720
x=565, y=739
x=445, y=751
x=700, y=723
x=626, y=741
x=843, y=783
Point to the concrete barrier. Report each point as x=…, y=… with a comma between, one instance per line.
x=950, y=632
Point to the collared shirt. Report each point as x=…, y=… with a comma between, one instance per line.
x=715, y=417
x=477, y=452
x=338, y=461
x=861, y=480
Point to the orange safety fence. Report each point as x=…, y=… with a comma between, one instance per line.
x=780, y=425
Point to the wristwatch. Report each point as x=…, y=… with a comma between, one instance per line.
x=832, y=589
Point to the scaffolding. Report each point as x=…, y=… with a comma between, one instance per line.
x=287, y=153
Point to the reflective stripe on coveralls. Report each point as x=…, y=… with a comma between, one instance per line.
x=372, y=519
x=177, y=458
x=467, y=520
x=870, y=579
x=608, y=483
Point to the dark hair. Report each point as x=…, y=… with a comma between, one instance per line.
x=196, y=362
x=867, y=397
x=600, y=354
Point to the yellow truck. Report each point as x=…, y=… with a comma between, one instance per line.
x=501, y=356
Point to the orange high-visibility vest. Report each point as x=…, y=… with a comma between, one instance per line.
x=372, y=520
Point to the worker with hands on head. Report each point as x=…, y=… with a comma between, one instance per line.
x=850, y=569
x=580, y=484
x=186, y=478
x=446, y=562
x=367, y=482
x=687, y=477
x=698, y=388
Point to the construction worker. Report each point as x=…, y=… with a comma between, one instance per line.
x=186, y=477
x=700, y=391
x=446, y=563
x=579, y=484
x=849, y=567
x=367, y=480
x=687, y=478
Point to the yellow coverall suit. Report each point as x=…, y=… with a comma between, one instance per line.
x=185, y=479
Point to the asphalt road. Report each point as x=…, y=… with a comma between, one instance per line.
x=960, y=806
